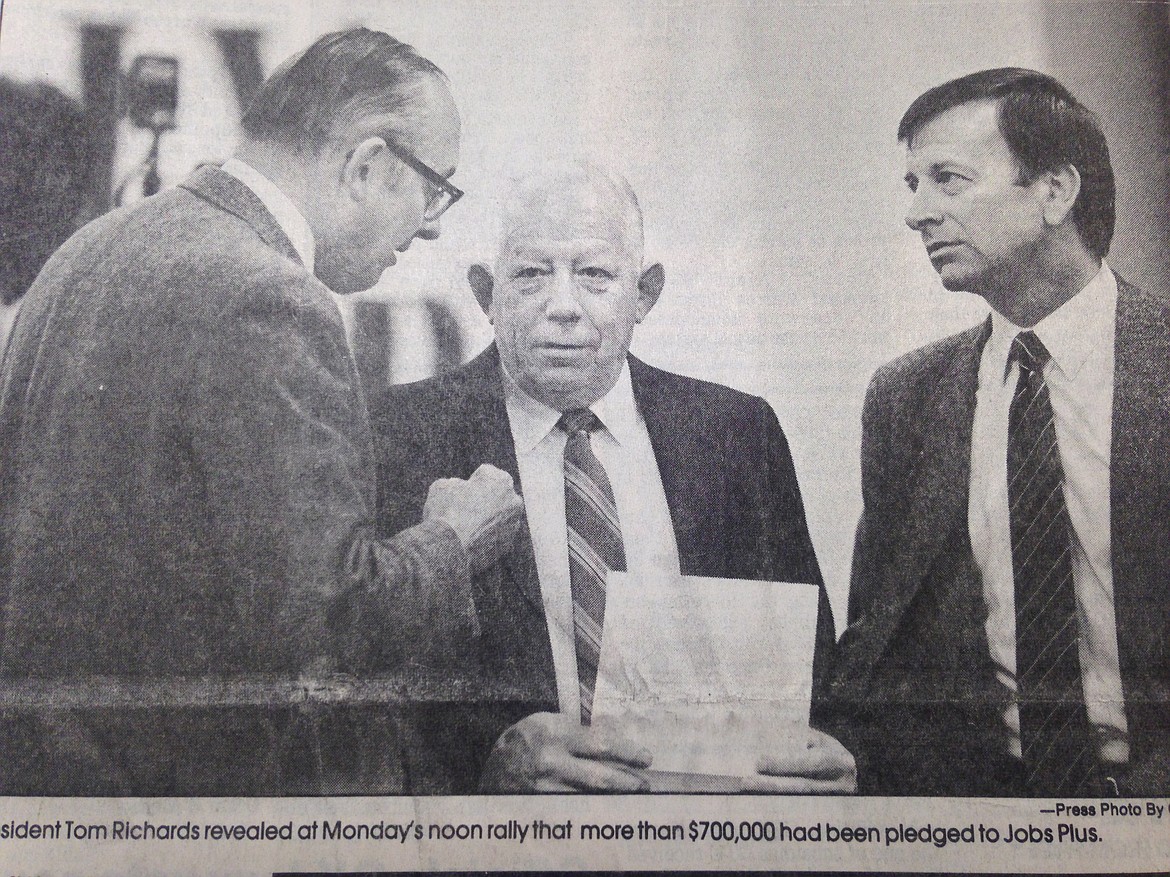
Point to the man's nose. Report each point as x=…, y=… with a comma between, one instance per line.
x=563, y=305
x=923, y=210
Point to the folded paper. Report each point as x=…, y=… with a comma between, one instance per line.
x=708, y=674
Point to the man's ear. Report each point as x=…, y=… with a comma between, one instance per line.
x=1064, y=185
x=649, y=288
x=360, y=165
x=482, y=284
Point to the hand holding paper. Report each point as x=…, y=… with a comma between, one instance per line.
x=822, y=766
x=714, y=677
x=547, y=752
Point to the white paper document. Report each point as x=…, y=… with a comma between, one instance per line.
x=708, y=674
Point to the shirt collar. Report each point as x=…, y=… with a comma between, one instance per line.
x=532, y=420
x=291, y=221
x=1072, y=333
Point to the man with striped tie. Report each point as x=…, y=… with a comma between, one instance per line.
x=622, y=467
x=1009, y=612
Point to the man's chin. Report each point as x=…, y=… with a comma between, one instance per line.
x=955, y=281
x=346, y=282
x=565, y=395
x=566, y=391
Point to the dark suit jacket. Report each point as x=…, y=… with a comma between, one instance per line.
x=729, y=483
x=187, y=491
x=914, y=694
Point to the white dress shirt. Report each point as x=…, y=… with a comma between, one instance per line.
x=291, y=221
x=623, y=447
x=1079, y=336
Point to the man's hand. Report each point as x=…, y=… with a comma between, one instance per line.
x=546, y=752
x=484, y=511
x=823, y=767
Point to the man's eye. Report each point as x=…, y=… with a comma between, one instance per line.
x=528, y=273
x=595, y=272
x=949, y=179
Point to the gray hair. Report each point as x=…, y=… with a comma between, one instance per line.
x=609, y=185
x=346, y=78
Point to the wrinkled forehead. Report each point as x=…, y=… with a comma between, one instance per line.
x=572, y=211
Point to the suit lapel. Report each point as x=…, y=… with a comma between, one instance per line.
x=487, y=436
x=692, y=480
x=489, y=440
x=693, y=477
x=227, y=193
x=1139, y=475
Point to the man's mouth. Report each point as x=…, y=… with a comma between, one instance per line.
x=561, y=348
x=935, y=247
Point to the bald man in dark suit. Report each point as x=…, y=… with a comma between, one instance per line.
x=698, y=479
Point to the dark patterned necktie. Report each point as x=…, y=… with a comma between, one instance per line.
x=1054, y=730
x=595, y=545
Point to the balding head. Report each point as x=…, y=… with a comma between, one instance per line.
x=568, y=287
x=574, y=197
x=357, y=78
x=356, y=130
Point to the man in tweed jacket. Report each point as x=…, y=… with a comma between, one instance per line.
x=1014, y=201
x=186, y=471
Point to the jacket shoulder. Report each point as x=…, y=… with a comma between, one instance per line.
x=440, y=392
x=1140, y=306
x=432, y=419
x=915, y=375
x=716, y=402
x=925, y=362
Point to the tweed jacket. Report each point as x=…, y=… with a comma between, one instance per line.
x=914, y=691
x=187, y=493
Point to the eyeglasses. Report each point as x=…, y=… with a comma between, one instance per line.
x=443, y=193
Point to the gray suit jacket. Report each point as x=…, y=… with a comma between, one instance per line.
x=914, y=691
x=187, y=492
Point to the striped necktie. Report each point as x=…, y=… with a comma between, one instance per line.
x=595, y=545
x=1054, y=729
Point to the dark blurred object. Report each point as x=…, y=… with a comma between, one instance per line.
x=448, y=337
x=152, y=98
x=100, y=68
x=44, y=180
x=372, y=342
x=152, y=92
x=241, y=55
x=374, y=338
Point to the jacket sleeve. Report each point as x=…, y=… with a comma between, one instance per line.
x=279, y=427
x=841, y=705
x=798, y=560
x=869, y=543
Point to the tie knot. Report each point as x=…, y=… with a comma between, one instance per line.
x=1029, y=351
x=578, y=420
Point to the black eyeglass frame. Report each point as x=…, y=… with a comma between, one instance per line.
x=448, y=192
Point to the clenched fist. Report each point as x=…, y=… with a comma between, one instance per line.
x=484, y=511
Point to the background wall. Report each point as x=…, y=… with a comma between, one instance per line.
x=759, y=136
